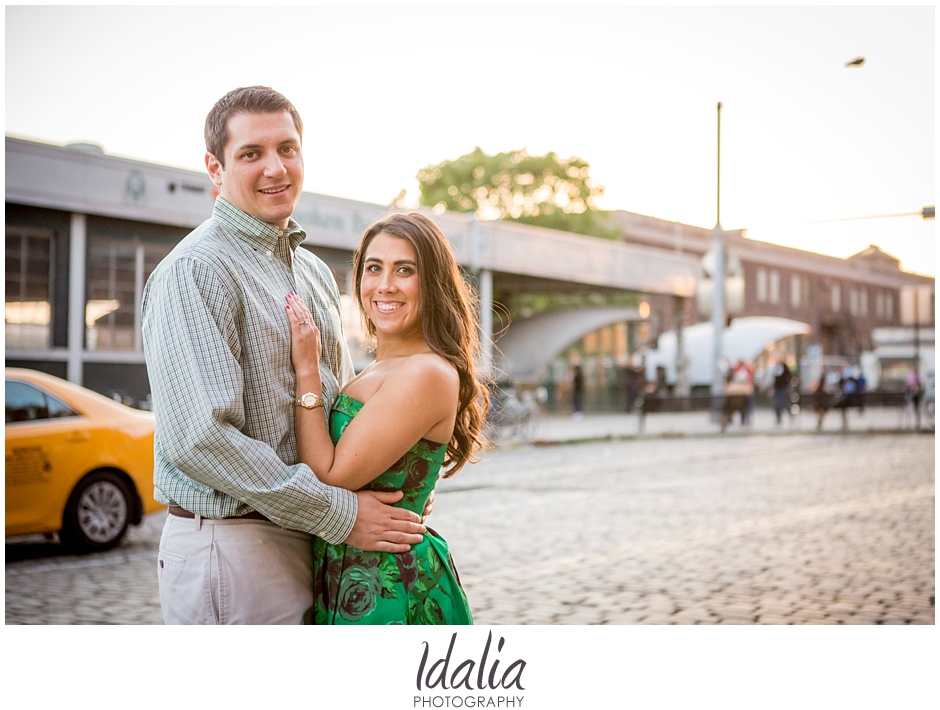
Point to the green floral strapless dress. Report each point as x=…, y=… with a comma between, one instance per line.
x=352, y=586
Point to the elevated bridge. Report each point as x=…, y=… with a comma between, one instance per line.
x=82, y=183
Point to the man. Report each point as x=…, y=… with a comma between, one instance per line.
x=236, y=547
x=577, y=392
x=781, y=389
x=914, y=387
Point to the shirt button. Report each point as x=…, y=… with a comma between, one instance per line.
x=269, y=253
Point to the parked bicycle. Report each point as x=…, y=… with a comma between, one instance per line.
x=514, y=417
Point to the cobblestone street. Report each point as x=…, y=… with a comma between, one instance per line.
x=801, y=529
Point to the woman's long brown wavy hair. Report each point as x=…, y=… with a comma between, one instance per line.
x=449, y=322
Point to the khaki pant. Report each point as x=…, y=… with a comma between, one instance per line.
x=234, y=572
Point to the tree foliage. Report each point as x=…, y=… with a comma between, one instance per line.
x=543, y=190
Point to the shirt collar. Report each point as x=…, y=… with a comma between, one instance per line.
x=257, y=233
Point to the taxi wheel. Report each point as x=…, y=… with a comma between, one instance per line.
x=97, y=514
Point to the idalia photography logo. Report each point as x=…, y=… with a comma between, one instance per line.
x=469, y=679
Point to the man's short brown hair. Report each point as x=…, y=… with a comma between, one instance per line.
x=249, y=99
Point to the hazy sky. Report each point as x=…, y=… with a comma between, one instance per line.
x=387, y=90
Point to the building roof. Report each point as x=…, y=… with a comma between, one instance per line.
x=872, y=265
x=91, y=182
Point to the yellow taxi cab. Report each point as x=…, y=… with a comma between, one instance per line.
x=77, y=463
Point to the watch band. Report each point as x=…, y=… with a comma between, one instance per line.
x=309, y=400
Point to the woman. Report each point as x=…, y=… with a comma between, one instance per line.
x=419, y=407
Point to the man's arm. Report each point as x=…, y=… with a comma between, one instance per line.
x=191, y=341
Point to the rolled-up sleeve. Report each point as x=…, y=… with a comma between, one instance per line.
x=192, y=322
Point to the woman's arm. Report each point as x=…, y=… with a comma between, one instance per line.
x=314, y=446
x=415, y=397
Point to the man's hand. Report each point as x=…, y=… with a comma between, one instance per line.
x=380, y=527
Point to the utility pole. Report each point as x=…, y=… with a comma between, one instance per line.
x=917, y=381
x=718, y=282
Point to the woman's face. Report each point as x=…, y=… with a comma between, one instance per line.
x=389, y=288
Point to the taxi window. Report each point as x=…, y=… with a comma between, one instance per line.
x=25, y=403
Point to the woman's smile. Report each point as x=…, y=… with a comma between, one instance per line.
x=390, y=286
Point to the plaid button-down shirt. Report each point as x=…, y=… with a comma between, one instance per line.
x=217, y=344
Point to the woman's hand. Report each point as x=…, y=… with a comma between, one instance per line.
x=305, y=345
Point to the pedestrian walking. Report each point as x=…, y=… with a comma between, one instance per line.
x=850, y=394
x=577, y=391
x=739, y=394
x=781, y=389
x=914, y=387
x=634, y=381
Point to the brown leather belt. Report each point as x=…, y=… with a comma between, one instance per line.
x=183, y=513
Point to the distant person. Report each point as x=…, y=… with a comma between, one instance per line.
x=237, y=546
x=862, y=388
x=577, y=392
x=416, y=410
x=633, y=378
x=850, y=395
x=781, y=389
x=739, y=388
x=914, y=387
x=820, y=402
x=823, y=394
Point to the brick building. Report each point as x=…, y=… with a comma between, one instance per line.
x=842, y=300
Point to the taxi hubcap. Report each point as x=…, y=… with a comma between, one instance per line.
x=102, y=512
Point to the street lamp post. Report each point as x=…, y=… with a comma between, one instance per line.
x=718, y=281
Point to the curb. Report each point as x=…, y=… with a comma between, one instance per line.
x=544, y=443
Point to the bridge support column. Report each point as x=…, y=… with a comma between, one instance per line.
x=77, y=249
x=485, y=281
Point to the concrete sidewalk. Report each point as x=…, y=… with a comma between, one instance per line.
x=565, y=428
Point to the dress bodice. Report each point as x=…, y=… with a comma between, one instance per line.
x=420, y=586
x=415, y=473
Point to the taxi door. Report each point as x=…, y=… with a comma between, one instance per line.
x=47, y=444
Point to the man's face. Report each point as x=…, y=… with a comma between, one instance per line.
x=264, y=167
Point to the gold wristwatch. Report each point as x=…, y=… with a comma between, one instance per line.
x=309, y=400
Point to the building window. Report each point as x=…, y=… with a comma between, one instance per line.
x=879, y=305
x=836, y=297
x=889, y=306
x=774, y=287
x=863, y=301
x=28, y=289
x=117, y=272
x=761, y=285
x=853, y=301
x=796, y=292
x=109, y=311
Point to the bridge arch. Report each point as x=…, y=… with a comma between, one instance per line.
x=529, y=346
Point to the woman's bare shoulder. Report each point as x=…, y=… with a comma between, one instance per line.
x=428, y=370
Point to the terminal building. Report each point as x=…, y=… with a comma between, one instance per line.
x=85, y=229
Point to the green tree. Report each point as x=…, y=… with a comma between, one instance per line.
x=543, y=190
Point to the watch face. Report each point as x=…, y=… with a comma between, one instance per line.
x=309, y=400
